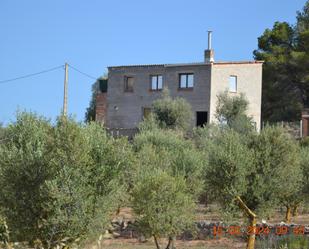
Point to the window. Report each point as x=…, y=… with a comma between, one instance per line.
x=129, y=82
x=156, y=82
x=186, y=80
x=233, y=84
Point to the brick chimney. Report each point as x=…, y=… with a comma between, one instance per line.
x=209, y=53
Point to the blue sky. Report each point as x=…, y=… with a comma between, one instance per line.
x=93, y=34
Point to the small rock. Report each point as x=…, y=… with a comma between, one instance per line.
x=116, y=235
x=107, y=235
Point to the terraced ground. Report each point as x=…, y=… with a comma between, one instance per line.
x=210, y=213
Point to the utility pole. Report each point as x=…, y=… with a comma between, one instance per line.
x=65, y=93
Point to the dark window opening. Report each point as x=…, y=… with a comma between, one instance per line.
x=129, y=82
x=201, y=118
x=103, y=85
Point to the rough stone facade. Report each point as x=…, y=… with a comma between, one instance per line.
x=124, y=110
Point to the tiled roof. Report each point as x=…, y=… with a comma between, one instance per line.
x=191, y=64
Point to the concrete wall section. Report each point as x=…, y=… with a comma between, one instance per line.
x=249, y=82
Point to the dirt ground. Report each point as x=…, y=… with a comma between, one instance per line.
x=211, y=213
x=222, y=243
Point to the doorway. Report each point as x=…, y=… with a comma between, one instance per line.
x=201, y=118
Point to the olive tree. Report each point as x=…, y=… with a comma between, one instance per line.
x=178, y=155
x=231, y=111
x=174, y=113
x=230, y=163
x=163, y=205
x=87, y=187
x=24, y=165
x=60, y=183
x=259, y=171
x=277, y=175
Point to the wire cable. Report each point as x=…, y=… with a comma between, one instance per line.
x=30, y=75
x=85, y=74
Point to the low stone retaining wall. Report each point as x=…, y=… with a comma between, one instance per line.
x=205, y=229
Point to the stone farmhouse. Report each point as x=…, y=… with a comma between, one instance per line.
x=125, y=98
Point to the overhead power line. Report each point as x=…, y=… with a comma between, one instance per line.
x=85, y=74
x=47, y=71
x=31, y=75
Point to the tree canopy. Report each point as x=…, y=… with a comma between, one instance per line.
x=174, y=113
x=285, y=52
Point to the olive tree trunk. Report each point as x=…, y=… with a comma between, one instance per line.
x=288, y=214
x=252, y=219
x=156, y=242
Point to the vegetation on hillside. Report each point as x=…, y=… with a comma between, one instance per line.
x=285, y=52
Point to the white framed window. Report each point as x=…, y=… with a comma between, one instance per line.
x=233, y=84
x=156, y=82
x=186, y=80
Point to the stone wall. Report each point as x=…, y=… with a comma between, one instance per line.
x=204, y=229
